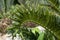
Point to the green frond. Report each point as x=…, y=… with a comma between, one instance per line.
x=45, y=13
x=38, y=14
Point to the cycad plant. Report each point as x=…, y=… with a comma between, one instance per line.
x=31, y=13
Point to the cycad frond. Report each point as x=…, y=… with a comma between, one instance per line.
x=33, y=11
x=38, y=14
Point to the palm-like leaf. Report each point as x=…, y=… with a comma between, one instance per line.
x=44, y=15
x=38, y=14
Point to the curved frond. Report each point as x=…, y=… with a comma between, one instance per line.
x=42, y=15
x=38, y=14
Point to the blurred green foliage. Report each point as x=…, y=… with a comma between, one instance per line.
x=42, y=12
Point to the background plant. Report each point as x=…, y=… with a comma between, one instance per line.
x=45, y=14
